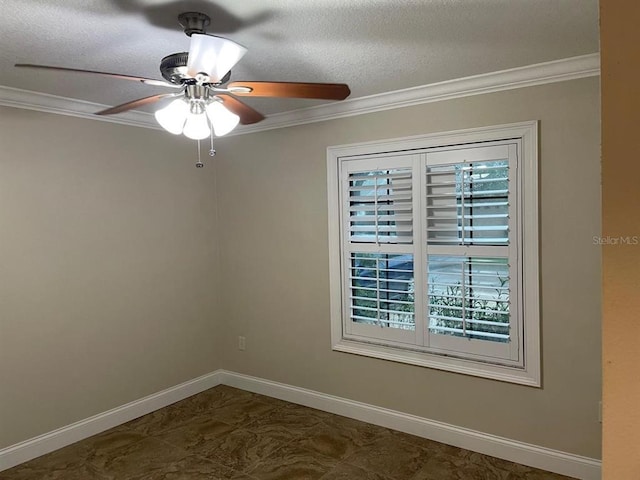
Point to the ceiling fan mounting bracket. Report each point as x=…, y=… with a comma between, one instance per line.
x=194, y=22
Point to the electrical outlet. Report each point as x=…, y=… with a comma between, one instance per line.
x=242, y=343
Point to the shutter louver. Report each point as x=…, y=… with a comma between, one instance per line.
x=381, y=207
x=468, y=203
x=469, y=297
x=382, y=290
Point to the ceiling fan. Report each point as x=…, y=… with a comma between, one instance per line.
x=205, y=103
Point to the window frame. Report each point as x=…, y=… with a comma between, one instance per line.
x=526, y=133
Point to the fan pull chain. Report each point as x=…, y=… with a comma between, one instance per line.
x=212, y=151
x=199, y=163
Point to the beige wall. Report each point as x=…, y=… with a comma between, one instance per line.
x=275, y=290
x=107, y=268
x=621, y=264
x=110, y=276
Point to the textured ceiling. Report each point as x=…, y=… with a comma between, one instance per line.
x=373, y=45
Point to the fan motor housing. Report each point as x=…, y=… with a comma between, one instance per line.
x=174, y=69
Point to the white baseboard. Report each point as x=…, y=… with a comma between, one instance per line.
x=512, y=450
x=42, y=444
x=534, y=456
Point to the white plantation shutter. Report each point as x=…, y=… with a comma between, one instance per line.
x=431, y=254
x=378, y=218
x=471, y=255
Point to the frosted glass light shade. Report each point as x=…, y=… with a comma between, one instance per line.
x=173, y=116
x=196, y=127
x=223, y=120
x=213, y=55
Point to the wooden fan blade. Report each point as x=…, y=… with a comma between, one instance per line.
x=147, y=81
x=324, y=91
x=134, y=104
x=247, y=114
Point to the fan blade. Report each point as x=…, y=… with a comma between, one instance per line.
x=134, y=104
x=324, y=91
x=247, y=114
x=147, y=81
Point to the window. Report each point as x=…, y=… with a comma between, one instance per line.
x=434, y=251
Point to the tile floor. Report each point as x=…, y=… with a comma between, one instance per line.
x=230, y=434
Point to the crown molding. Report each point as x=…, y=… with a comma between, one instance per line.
x=531, y=75
x=43, y=102
x=528, y=76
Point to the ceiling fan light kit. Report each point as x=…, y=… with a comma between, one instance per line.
x=196, y=113
x=204, y=106
x=222, y=120
x=173, y=116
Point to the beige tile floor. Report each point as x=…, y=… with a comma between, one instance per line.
x=230, y=434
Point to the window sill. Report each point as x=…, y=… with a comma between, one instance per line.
x=522, y=376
